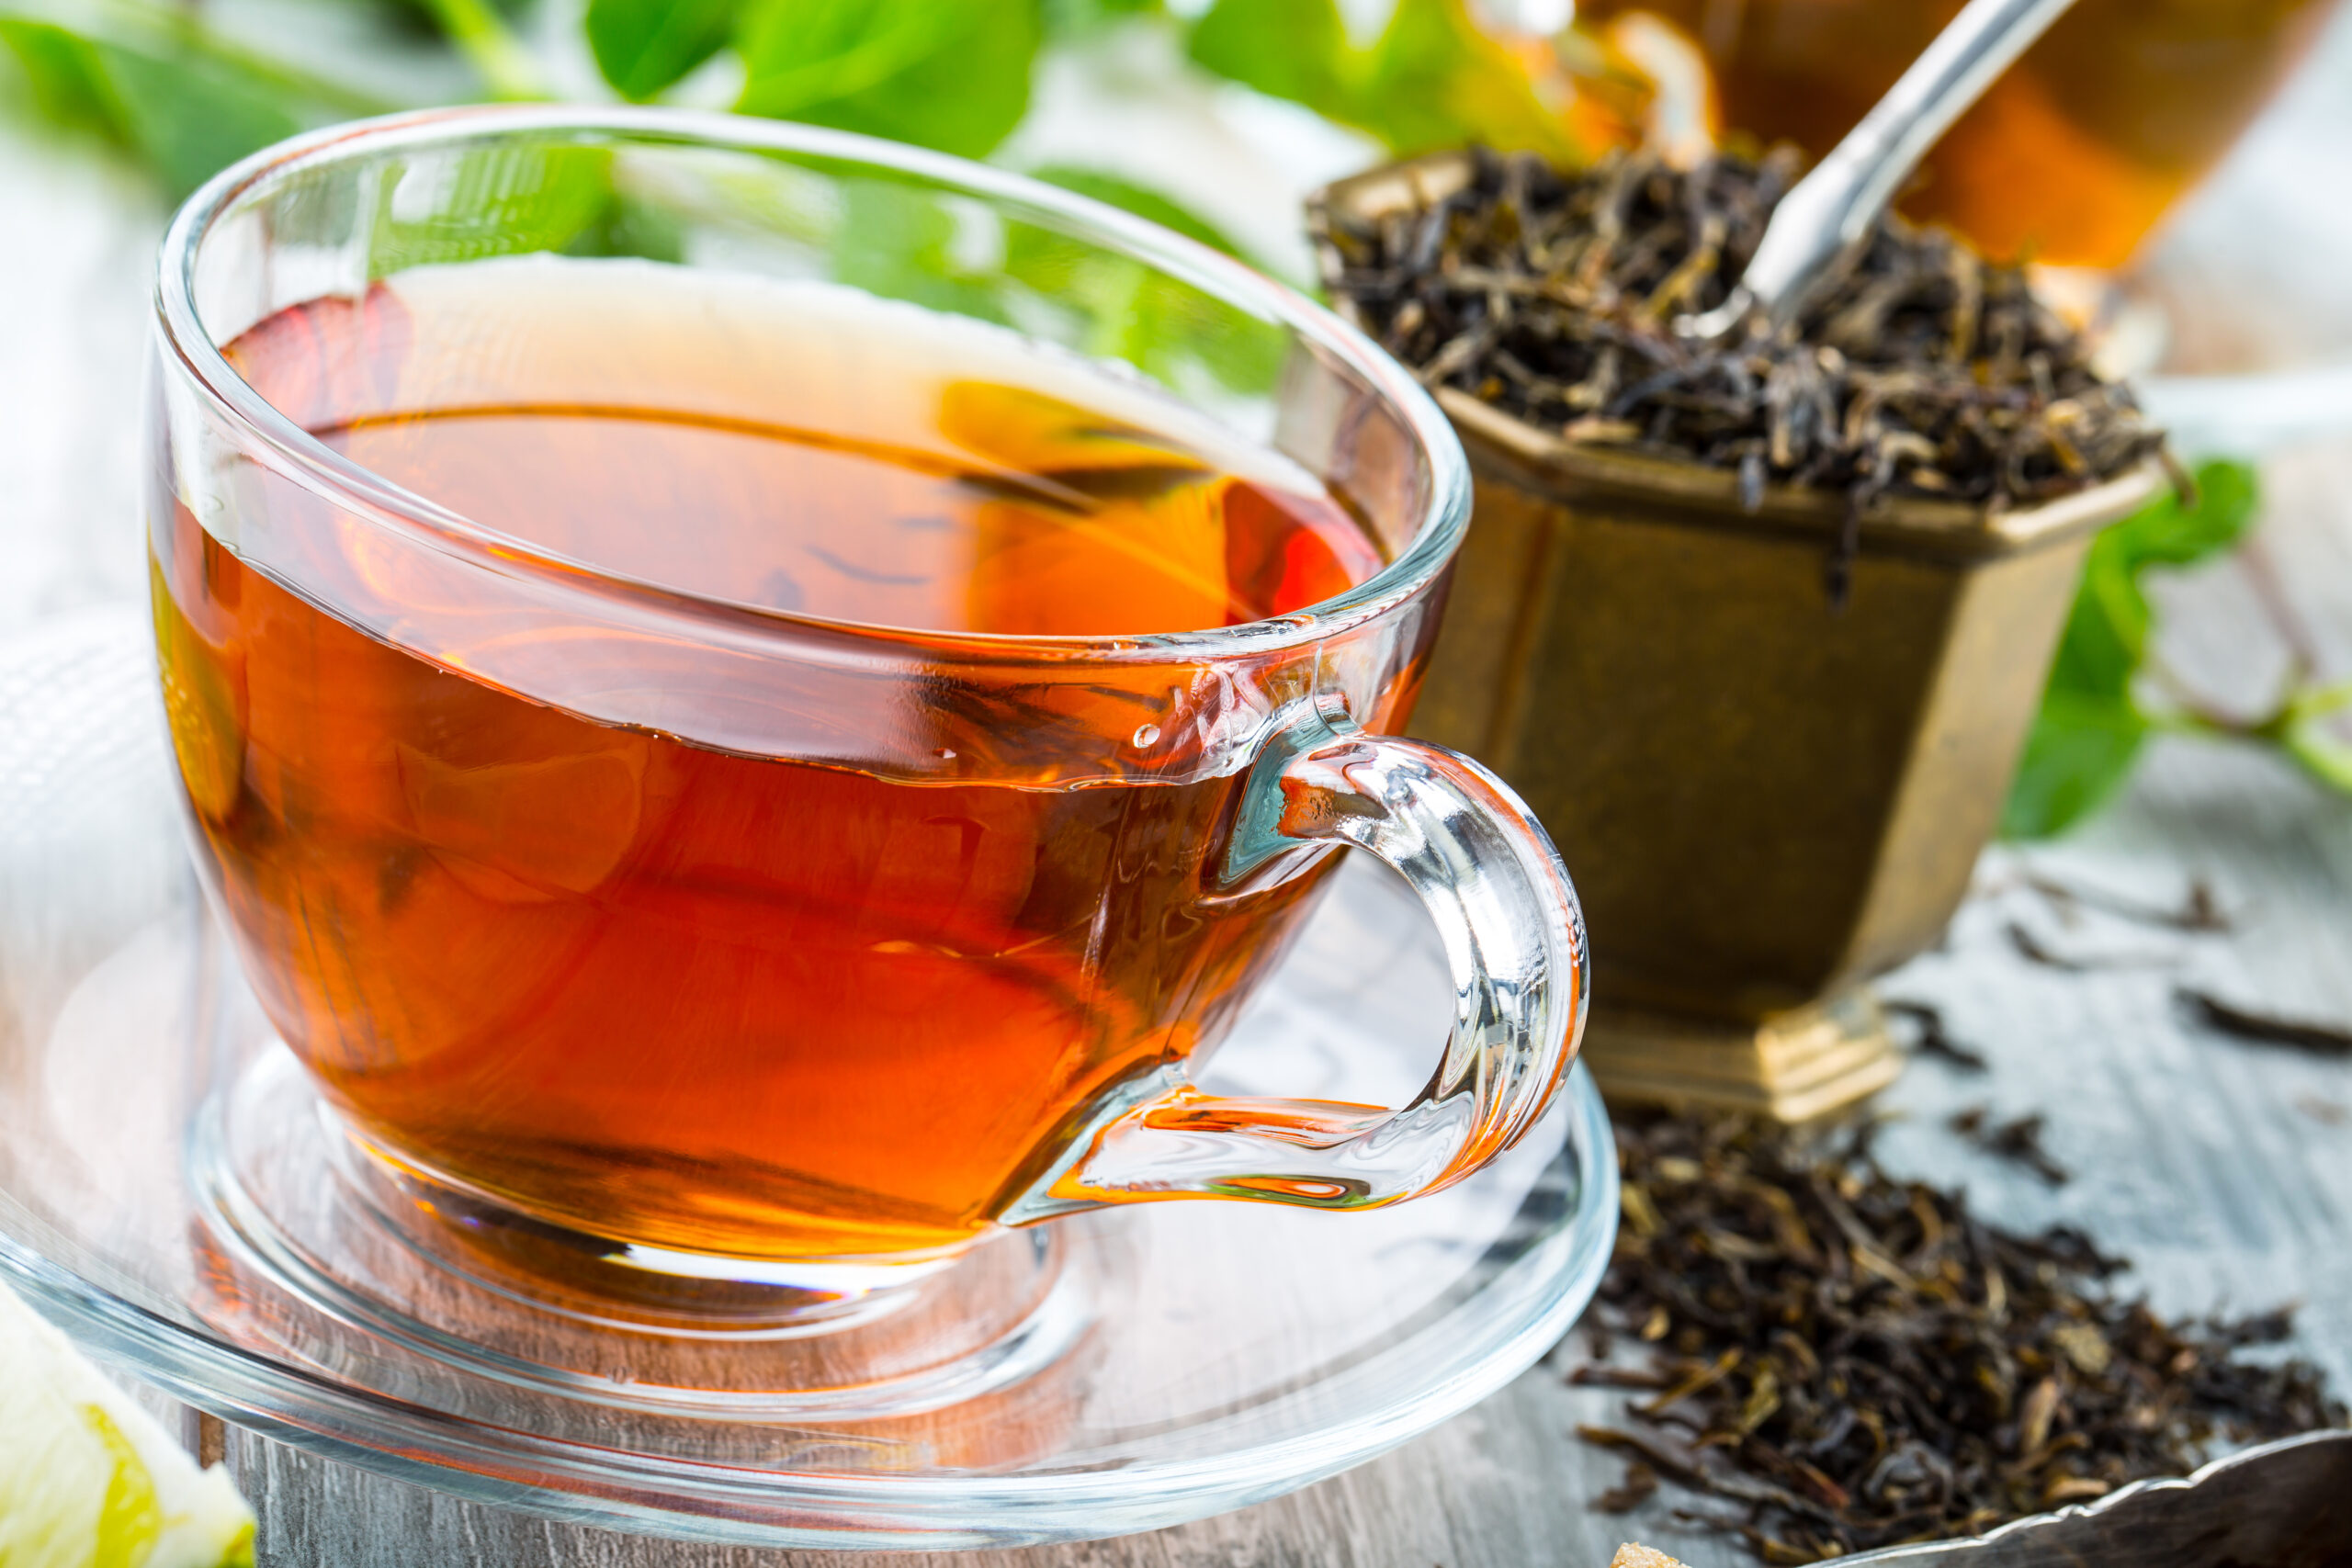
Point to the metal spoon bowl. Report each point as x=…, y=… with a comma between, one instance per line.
x=1832, y=208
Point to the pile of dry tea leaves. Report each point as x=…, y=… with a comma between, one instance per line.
x=1851, y=1361
x=1919, y=369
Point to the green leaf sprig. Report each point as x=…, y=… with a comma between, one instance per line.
x=644, y=46
x=948, y=73
x=1433, y=78
x=161, y=84
x=2095, y=713
x=167, y=82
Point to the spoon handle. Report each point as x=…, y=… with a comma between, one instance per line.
x=1834, y=205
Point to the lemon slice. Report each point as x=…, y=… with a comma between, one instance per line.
x=88, y=1479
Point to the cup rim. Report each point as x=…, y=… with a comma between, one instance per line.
x=355, y=488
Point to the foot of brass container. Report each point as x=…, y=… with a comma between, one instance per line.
x=1793, y=1067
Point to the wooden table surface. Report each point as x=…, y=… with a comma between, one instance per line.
x=2223, y=1169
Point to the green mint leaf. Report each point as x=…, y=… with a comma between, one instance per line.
x=2168, y=533
x=904, y=240
x=68, y=83
x=1439, y=80
x=499, y=200
x=2081, y=750
x=1433, y=79
x=952, y=74
x=1286, y=49
x=642, y=45
x=2089, y=729
x=1155, y=323
x=1065, y=19
x=1114, y=191
x=627, y=226
x=2106, y=627
x=193, y=120
x=899, y=239
x=186, y=114
x=1116, y=307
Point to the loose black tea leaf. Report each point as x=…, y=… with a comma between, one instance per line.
x=1843, y=1360
x=2018, y=1141
x=1932, y=1038
x=1919, y=369
x=2199, y=910
x=2034, y=950
x=1639, y=1486
x=2269, y=1029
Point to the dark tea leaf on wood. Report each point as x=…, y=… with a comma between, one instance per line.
x=1932, y=1036
x=2018, y=1141
x=2199, y=910
x=1849, y=1362
x=2212, y=1012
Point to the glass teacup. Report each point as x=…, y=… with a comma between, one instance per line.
x=616, y=893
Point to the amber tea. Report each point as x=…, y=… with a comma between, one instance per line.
x=2071, y=157
x=652, y=989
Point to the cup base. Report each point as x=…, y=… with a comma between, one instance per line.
x=614, y=1284
x=298, y=1211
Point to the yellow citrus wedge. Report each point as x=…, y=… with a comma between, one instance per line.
x=88, y=1479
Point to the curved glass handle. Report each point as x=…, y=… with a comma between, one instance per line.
x=1514, y=940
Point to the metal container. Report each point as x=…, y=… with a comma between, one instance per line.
x=2284, y=1505
x=1765, y=801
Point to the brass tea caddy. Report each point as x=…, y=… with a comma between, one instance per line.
x=1765, y=801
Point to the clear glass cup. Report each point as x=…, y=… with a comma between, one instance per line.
x=1253, y=751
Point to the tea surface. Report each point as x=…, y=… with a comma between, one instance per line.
x=666, y=994
x=805, y=448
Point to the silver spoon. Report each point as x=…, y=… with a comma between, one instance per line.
x=1833, y=207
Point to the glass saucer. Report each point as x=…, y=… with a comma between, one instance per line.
x=1106, y=1373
